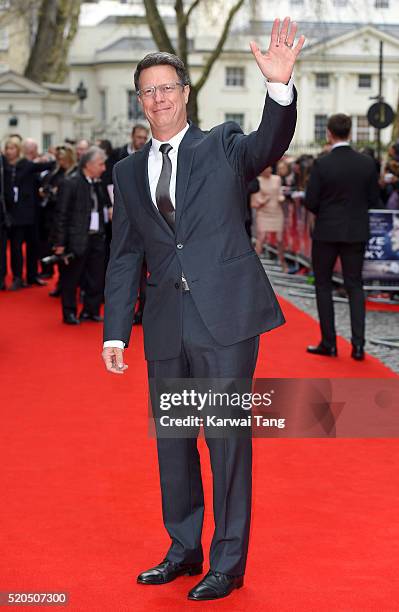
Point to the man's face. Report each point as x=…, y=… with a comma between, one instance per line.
x=96, y=166
x=31, y=150
x=139, y=138
x=163, y=111
x=81, y=148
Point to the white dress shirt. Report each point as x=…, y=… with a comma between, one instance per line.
x=341, y=143
x=279, y=92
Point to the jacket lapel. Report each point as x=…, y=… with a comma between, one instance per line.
x=184, y=163
x=141, y=175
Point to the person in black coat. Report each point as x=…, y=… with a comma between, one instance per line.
x=343, y=186
x=5, y=201
x=22, y=175
x=139, y=138
x=79, y=229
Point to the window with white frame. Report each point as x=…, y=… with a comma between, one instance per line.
x=362, y=131
x=134, y=110
x=339, y=3
x=364, y=81
x=320, y=125
x=381, y=4
x=4, y=5
x=297, y=2
x=235, y=76
x=237, y=117
x=47, y=140
x=322, y=80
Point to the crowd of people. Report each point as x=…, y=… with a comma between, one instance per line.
x=59, y=205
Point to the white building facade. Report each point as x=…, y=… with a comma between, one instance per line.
x=337, y=70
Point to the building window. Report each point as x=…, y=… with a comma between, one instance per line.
x=235, y=76
x=322, y=80
x=237, y=117
x=103, y=105
x=134, y=110
x=364, y=81
x=4, y=5
x=362, y=131
x=381, y=4
x=297, y=2
x=320, y=126
x=48, y=140
x=340, y=3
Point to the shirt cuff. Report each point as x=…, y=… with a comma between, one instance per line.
x=281, y=93
x=114, y=344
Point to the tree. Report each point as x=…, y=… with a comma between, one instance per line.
x=49, y=27
x=164, y=42
x=57, y=24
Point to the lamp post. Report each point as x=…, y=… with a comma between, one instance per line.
x=81, y=92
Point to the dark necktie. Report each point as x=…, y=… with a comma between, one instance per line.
x=162, y=193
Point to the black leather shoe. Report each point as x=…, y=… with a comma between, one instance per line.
x=167, y=571
x=215, y=585
x=71, y=319
x=320, y=349
x=357, y=353
x=87, y=316
x=55, y=292
x=16, y=284
x=38, y=282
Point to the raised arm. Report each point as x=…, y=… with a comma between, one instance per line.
x=249, y=155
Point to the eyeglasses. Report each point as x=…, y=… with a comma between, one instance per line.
x=165, y=89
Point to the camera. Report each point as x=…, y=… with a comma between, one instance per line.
x=54, y=259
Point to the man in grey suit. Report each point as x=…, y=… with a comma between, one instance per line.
x=181, y=202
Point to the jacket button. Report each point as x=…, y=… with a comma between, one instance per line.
x=177, y=285
x=179, y=246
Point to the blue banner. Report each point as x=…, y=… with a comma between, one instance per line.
x=382, y=251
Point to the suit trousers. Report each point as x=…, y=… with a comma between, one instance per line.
x=231, y=457
x=18, y=235
x=92, y=266
x=324, y=256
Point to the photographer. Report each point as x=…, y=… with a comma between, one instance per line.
x=66, y=161
x=79, y=229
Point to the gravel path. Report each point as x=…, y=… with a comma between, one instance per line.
x=378, y=324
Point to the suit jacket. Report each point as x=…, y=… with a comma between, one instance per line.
x=24, y=176
x=343, y=185
x=210, y=243
x=73, y=212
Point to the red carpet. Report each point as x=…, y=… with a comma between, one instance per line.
x=80, y=507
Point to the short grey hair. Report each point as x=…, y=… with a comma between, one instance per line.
x=90, y=154
x=162, y=58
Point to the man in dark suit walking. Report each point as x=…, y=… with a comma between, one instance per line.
x=181, y=202
x=343, y=185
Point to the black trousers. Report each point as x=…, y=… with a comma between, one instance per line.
x=231, y=457
x=92, y=266
x=18, y=235
x=3, y=252
x=324, y=256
